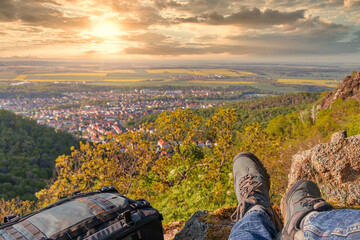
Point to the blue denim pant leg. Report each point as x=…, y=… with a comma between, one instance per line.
x=333, y=225
x=256, y=224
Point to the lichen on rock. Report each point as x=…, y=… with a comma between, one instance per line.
x=334, y=166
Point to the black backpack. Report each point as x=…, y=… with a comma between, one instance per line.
x=102, y=214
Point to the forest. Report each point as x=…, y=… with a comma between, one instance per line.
x=27, y=155
x=260, y=110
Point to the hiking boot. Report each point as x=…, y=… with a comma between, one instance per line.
x=252, y=184
x=302, y=198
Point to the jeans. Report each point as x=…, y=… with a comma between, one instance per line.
x=330, y=225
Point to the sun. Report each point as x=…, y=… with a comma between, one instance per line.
x=105, y=29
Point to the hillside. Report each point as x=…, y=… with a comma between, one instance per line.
x=307, y=153
x=27, y=155
x=180, y=179
x=260, y=110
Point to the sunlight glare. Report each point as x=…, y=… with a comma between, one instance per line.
x=105, y=29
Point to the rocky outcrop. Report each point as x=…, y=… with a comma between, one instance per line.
x=334, y=166
x=349, y=88
x=208, y=225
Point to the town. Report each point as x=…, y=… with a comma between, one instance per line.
x=94, y=115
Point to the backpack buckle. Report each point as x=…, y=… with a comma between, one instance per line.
x=140, y=204
x=127, y=218
x=11, y=218
x=108, y=189
x=76, y=193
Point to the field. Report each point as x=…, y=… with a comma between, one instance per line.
x=101, y=74
x=225, y=76
x=279, y=78
x=117, y=71
x=220, y=82
x=327, y=83
x=204, y=72
x=20, y=78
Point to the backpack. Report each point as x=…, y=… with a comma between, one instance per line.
x=102, y=214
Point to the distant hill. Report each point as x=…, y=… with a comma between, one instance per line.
x=27, y=155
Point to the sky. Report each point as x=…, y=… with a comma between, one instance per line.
x=180, y=29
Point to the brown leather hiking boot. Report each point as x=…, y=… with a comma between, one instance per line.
x=252, y=184
x=301, y=199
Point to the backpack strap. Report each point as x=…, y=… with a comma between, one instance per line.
x=93, y=205
x=14, y=233
x=21, y=233
x=107, y=203
x=33, y=230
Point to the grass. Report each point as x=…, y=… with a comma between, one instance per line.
x=327, y=83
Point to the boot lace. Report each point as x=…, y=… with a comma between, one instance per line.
x=309, y=201
x=248, y=188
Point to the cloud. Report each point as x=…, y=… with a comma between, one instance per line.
x=315, y=26
x=164, y=50
x=196, y=6
x=313, y=4
x=308, y=36
x=285, y=47
x=182, y=27
x=248, y=17
x=35, y=13
x=161, y=4
x=134, y=15
x=352, y=3
x=148, y=37
x=229, y=49
x=309, y=4
x=7, y=10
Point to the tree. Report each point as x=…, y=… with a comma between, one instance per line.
x=221, y=127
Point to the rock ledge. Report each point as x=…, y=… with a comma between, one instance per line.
x=334, y=166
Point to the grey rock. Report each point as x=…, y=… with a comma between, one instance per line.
x=334, y=166
x=195, y=228
x=208, y=225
